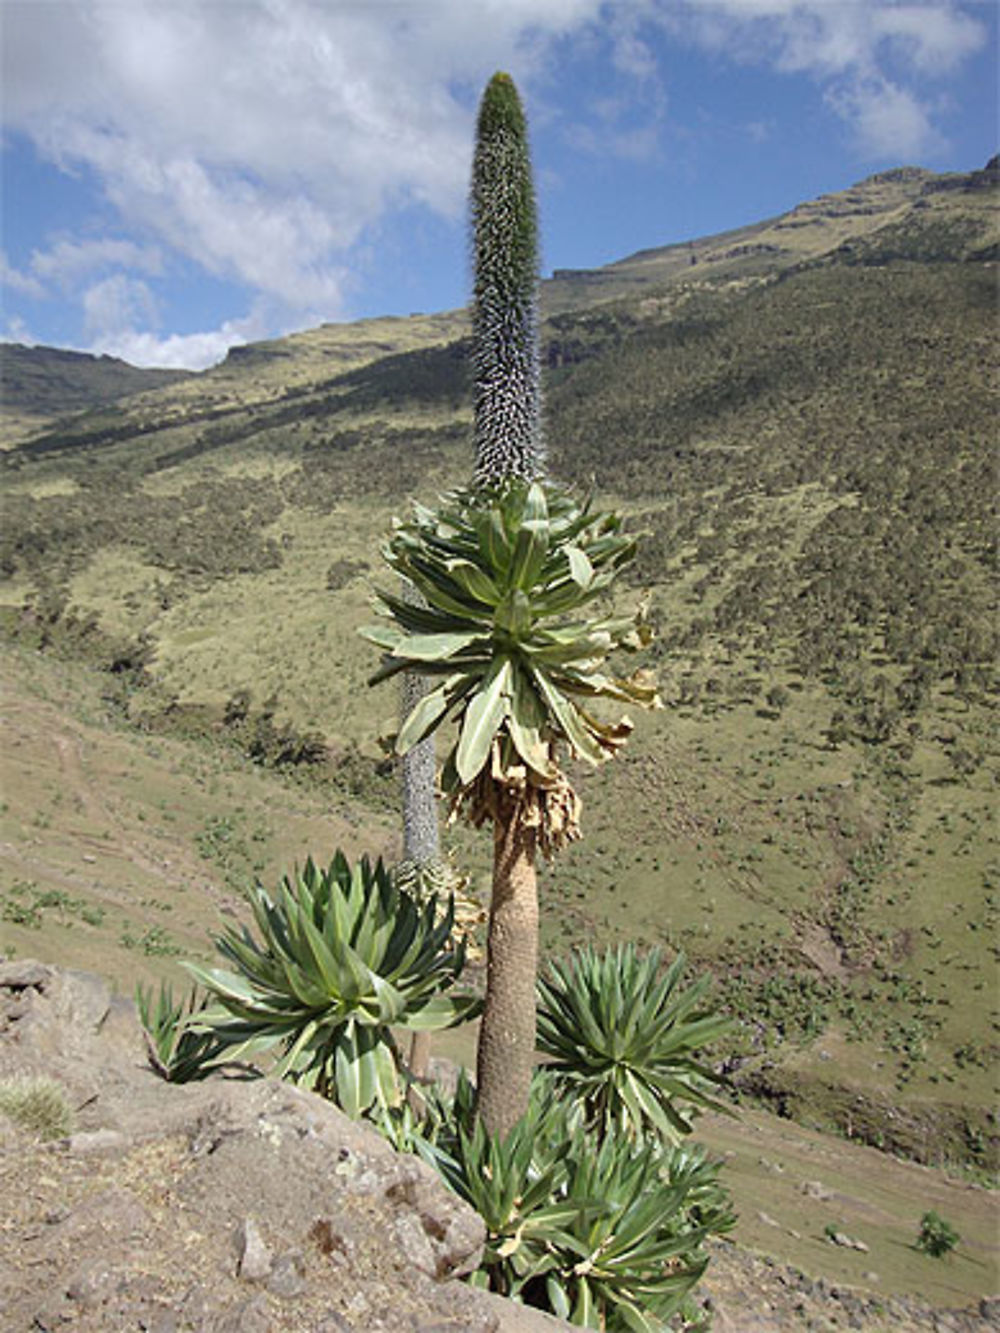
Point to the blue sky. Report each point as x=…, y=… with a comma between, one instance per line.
x=181, y=177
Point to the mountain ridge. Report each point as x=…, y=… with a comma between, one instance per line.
x=809, y=232
x=38, y=384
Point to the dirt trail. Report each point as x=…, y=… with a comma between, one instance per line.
x=117, y=839
x=96, y=832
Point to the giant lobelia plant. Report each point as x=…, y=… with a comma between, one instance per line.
x=624, y=1039
x=342, y=960
x=510, y=570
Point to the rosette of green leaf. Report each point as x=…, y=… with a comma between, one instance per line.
x=632, y=1260
x=508, y=576
x=176, y=1051
x=707, y=1202
x=515, y=1183
x=622, y=1040
x=344, y=957
x=605, y=1236
x=414, y=1130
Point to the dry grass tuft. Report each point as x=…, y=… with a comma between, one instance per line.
x=37, y=1105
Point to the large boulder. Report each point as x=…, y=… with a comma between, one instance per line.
x=225, y=1206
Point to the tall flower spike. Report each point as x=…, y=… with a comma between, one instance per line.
x=506, y=362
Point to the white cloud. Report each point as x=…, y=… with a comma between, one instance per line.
x=125, y=325
x=873, y=58
x=177, y=351
x=67, y=261
x=17, y=331
x=934, y=38
x=265, y=140
x=888, y=121
x=628, y=122
x=260, y=139
x=22, y=283
x=639, y=143
x=116, y=304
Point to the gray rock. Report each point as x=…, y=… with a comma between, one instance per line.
x=287, y=1276
x=358, y=1309
x=53, y=1315
x=455, y=1236
x=164, y=1321
x=369, y=1239
x=93, y=1282
x=250, y=1316
x=254, y=1254
x=21, y=973
x=514, y=1318
x=97, y=1142
x=113, y=1213
x=847, y=1243
x=414, y=1245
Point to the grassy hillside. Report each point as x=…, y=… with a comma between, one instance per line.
x=123, y=850
x=802, y=420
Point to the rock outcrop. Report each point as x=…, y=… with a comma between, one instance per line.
x=247, y=1206
x=226, y=1206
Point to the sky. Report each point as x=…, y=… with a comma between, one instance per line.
x=179, y=176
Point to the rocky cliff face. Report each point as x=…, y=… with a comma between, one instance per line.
x=229, y=1206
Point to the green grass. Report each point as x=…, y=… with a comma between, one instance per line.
x=118, y=881
x=790, y=1184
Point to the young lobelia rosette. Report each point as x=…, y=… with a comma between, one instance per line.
x=623, y=1040
x=508, y=635
x=344, y=958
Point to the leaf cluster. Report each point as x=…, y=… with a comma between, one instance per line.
x=607, y=1236
x=343, y=956
x=507, y=577
x=937, y=1237
x=176, y=1051
x=621, y=1037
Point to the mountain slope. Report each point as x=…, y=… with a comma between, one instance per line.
x=904, y=213
x=807, y=437
x=849, y=220
x=39, y=384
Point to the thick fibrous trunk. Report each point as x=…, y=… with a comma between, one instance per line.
x=421, y=843
x=421, y=839
x=506, y=1052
